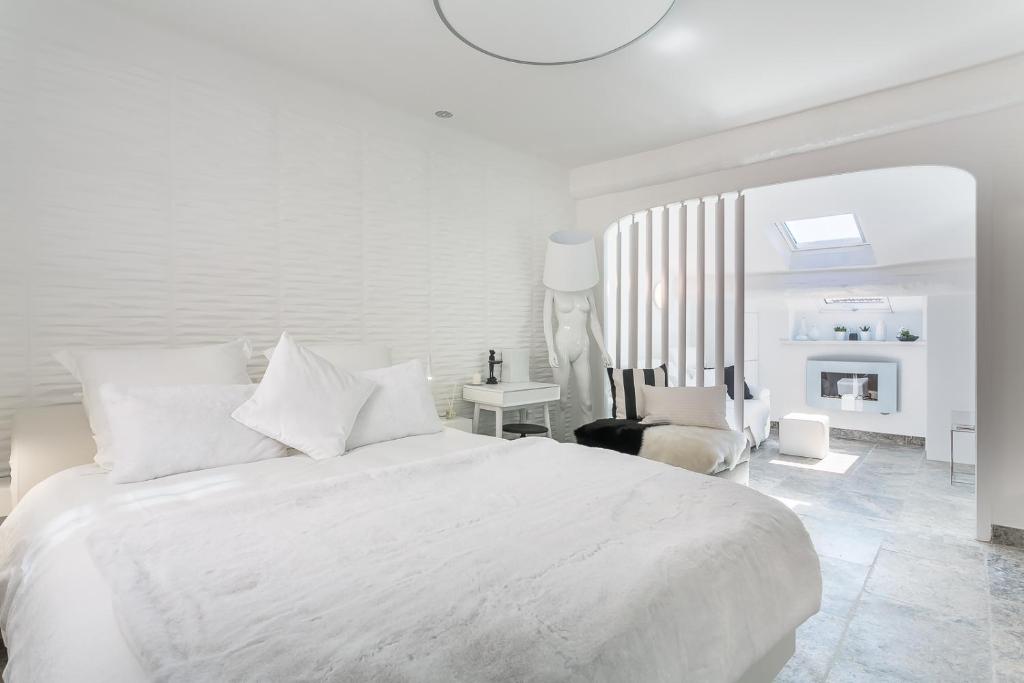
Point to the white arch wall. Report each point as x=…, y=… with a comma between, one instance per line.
x=987, y=145
x=195, y=195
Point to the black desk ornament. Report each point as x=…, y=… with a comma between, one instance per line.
x=491, y=362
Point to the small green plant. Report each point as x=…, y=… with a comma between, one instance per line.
x=839, y=328
x=906, y=335
x=865, y=328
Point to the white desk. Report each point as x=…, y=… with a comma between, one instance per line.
x=510, y=396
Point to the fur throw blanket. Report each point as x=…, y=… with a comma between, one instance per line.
x=698, y=449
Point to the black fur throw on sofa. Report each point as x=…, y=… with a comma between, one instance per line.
x=624, y=436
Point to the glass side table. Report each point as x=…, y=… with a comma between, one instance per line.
x=960, y=422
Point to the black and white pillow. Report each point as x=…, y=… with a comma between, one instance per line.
x=627, y=398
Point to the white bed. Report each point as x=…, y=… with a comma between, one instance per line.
x=714, y=595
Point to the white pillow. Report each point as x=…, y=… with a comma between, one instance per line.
x=401, y=405
x=690, y=406
x=211, y=364
x=160, y=430
x=350, y=357
x=305, y=402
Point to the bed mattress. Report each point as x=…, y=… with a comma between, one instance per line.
x=710, y=587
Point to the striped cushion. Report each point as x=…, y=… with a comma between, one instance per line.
x=627, y=400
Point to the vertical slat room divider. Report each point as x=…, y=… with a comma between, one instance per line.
x=649, y=258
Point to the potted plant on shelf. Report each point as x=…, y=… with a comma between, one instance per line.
x=840, y=331
x=906, y=336
x=864, y=329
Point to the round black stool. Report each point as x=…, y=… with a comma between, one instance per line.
x=523, y=429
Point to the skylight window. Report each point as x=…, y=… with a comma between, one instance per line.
x=824, y=232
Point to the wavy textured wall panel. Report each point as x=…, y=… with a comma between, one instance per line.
x=147, y=202
x=14, y=292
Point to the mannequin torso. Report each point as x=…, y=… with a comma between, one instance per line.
x=569, y=341
x=571, y=312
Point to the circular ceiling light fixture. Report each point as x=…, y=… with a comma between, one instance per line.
x=443, y=114
x=550, y=32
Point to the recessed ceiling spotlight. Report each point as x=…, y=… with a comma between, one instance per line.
x=443, y=114
x=547, y=33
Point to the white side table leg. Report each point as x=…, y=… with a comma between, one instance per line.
x=476, y=418
x=547, y=420
x=499, y=421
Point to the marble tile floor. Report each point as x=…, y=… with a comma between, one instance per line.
x=908, y=595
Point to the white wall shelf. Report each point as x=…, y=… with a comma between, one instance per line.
x=834, y=342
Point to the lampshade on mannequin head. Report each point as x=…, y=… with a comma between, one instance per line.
x=570, y=312
x=571, y=262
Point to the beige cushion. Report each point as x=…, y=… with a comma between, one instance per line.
x=688, y=406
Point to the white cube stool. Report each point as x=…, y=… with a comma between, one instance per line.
x=804, y=435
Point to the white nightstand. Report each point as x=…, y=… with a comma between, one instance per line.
x=510, y=396
x=463, y=424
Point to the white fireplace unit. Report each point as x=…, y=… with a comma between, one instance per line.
x=857, y=386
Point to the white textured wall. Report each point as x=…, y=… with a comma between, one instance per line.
x=155, y=190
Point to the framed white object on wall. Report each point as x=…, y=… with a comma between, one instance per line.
x=861, y=386
x=515, y=365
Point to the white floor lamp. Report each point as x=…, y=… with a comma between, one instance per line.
x=570, y=274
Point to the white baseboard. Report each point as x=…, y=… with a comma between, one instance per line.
x=961, y=459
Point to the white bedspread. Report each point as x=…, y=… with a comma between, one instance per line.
x=524, y=560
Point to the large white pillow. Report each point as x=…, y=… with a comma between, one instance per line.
x=305, y=402
x=212, y=364
x=160, y=430
x=401, y=405
x=350, y=357
x=689, y=406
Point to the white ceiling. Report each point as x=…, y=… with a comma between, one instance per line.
x=497, y=28
x=911, y=214
x=709, y=66
x=919, y=220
